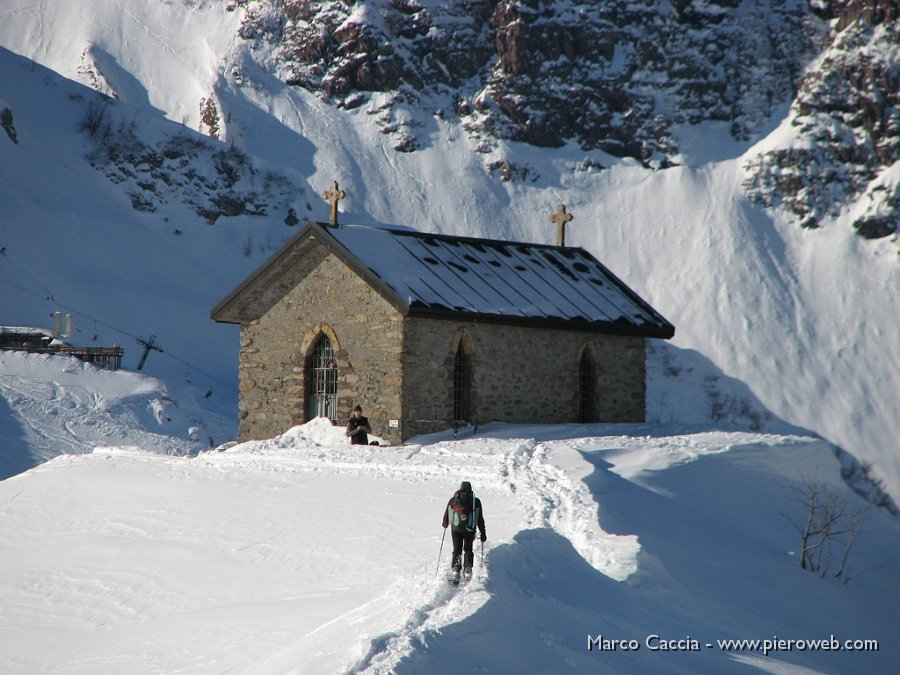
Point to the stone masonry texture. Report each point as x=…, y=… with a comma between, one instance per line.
x=401, y=368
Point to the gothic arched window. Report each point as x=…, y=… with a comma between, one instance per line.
x=322, y=377
x=586, y=372
x=462, y=384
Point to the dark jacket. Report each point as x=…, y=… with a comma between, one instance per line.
x=357, y=428
x=477, y=515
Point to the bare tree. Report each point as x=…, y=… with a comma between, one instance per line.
x=830, y=527
x=96, y=122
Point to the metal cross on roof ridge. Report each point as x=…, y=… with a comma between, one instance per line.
x=333, y=195
x=560, y=218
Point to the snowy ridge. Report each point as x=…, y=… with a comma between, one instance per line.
x=555, y=497
x=302, y=553
x=529, y=471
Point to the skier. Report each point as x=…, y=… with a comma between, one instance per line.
x=358, y=427
x=464, y=515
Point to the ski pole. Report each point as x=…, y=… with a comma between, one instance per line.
x=440, y=552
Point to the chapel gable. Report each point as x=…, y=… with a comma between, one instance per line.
x=429, y=332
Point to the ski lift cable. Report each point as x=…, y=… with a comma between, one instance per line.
x=50, y=298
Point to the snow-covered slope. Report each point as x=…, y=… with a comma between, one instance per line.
x=58, y=405
x=304, y=554
x=791, y=325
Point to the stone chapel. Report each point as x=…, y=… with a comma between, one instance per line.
x=428, y=332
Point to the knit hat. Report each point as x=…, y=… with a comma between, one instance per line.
x=357, y=408
x=465, y=486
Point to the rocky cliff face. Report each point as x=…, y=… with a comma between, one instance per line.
x=846, y=114
x=618, y=76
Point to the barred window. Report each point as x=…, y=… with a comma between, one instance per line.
x=321, y=374
x=461, y=384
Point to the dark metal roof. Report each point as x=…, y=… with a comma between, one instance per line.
x=445, y=276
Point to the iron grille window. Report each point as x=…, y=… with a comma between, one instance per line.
x=585, y=389
x=322, y=377
x=460, y=384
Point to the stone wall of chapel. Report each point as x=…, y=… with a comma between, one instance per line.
x=365, y=331
x=519, y=374
x=400, y=368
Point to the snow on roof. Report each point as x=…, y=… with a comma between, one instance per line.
x=425, y=274
x=440, y=273
x=25, y=330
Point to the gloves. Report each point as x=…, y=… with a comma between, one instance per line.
x=483, y=537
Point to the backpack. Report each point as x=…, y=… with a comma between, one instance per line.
x=461, y=509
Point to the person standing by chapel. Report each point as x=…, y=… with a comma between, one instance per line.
x=464, y=515
x=358, y=428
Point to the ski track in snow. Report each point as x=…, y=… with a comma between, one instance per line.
x=58, y=406
x=443, y=605
x=543, y=478
x=545, y=496
x=68, y=402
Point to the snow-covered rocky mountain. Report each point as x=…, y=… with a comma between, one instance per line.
x=611, y=76
x=622, y=77
x=154, y=153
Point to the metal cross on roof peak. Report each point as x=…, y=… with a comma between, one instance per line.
x=560, y=218
x=333, y=195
